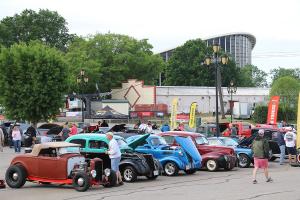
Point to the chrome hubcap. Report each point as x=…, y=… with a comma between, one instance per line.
x=243, y=161
x=169, y=168
x=80, y=182
x=128, y=174
x=15, y=176
x=211, y=164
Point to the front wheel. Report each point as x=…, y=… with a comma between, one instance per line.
x=191, y=171
x=244, y=161
x=111, y=179
x=212, y=165
x=81, y=182
x=129, y=174
x=171, y=169
x=15, y=176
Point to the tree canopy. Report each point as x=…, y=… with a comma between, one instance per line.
x=281, y=72
x=110, y=59
x=185, y=67
x=32, y=81
x=46, y=26
x=251, y=76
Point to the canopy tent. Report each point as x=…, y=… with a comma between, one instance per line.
x=109, y=113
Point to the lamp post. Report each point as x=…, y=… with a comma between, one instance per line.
x=82, y=80
x=216, y=60
x=231, y=89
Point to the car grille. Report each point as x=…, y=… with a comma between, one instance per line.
x=99, y=169
x=150, y=161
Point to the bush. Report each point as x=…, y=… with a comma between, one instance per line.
x=260, y=114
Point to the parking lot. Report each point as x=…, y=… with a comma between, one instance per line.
x=236, y=184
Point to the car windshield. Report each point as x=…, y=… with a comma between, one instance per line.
x=201, y=140
x=229, y=142
x=158, y=141
x=66, y=150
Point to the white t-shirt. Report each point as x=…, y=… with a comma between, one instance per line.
x=114, y=149
x=143, y=127
x=290, y=139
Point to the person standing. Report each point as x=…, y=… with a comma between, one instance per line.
x=165, y=128
x=104, y=124
x=73, y=130
x=281, y=144
x=290, y=142
x=260, y=148
x=31, y=134
x=65, y=132
x=1, y=140
x=16, y=137
x=114, y=155
x=149, y=128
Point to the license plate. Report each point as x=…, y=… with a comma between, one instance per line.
x=155, y=173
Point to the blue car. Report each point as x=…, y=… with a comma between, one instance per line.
x=244, y=154
x=186, y=157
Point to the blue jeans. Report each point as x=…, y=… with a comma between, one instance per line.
x=115, y=162
x=282, y=154
x=17, y=145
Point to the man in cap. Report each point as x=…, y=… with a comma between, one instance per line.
x=290, y=142
x=114, y=155
x=260, y=148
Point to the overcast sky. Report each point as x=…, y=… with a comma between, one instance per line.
x=169, y=23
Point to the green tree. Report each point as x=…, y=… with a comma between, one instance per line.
x=112, y=58
x=251, y=76
x=32, y=81
x=185, y=67
x=288, y=89
x=46, y=26
x=281, y=72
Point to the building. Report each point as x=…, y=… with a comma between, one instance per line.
x=238, y=45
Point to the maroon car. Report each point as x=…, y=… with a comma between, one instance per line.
x=58, y=163
x=213, y=157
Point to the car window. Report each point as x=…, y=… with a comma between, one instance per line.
x=158, y=141
x=229, y=142
x=82, y=142
x=97, y=144
x=201, y=140
x=169, y=139
x=215, y=142
x=50, y=152
x=245, y=127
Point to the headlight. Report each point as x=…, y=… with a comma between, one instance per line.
x=107, y=172
x=94, y=173
x=226, y=158
x=180, y=152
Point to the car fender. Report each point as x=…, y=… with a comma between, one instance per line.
x=180, y=164
x=141, y=168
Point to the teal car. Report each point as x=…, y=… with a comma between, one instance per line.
x=132, y=164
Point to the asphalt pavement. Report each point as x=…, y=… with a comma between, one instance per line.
x=223, y=185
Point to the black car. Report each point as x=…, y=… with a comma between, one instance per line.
x=271, y=135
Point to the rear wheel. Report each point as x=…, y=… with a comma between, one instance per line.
x=15, y=176
x=244, y=161
x=191, y=171
x=81, y=182
x=171, y=169
x=212, y=165
x=129, y=174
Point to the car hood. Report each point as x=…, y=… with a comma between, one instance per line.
x=189, y=147
x=139, y=141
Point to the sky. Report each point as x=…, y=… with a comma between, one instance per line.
x=170, y=23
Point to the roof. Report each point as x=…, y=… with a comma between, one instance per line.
x=37, y=148
x=183, y=133
x=89, y=136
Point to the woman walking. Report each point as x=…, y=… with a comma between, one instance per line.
x=260, y=148
x=16, y=136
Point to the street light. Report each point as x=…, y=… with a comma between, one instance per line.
x=231, y=89
x=82, y=80
x=217, y=60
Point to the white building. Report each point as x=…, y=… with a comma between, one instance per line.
x=205, y=97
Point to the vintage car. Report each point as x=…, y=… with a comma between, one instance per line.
x=243, y=129
x=244, y=154
x=132, y=164
x=213, y=157
x=58, y=163
x=172, y=159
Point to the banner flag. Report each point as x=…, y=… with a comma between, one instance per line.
x=192, y=121
x=173, y=123
x=273, y=110
x=298, y=124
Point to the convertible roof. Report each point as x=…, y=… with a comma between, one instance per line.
x=37, y=148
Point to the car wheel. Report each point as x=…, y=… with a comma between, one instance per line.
x=191, y=171
x=112, y=179
x=129, y=174
x=15, y=176
x=170, y=169
x=81, y=181
x=244, y=161
x=212, y=165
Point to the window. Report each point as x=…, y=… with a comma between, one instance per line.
x=246, y=126
x=229, y=142
x=158, y=141
x=201, y=140
x=50, y=152
x=97, y=144
x=169, y=139
x=215, y=142
x=82, y=142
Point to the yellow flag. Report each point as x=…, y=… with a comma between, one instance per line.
x=298, y=123
x=192, y=121
x=174, y=114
